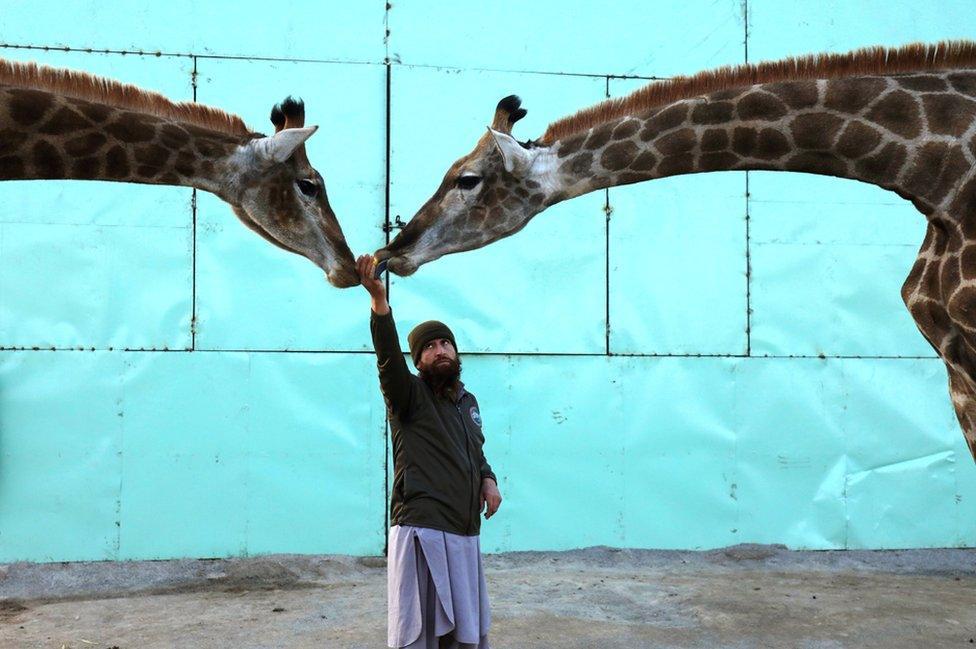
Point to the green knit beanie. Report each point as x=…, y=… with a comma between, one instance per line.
x=424, y=333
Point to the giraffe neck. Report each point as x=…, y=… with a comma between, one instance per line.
x=47, y=136
x=912, y=134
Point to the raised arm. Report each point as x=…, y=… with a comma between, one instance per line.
x=396, y=381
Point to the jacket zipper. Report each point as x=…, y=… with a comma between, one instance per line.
x=467, y=452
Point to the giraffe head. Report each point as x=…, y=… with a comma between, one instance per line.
x=488, y=194
x=276, y=192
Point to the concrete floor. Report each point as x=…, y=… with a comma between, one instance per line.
x=745, y=596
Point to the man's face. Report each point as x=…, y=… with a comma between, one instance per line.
x=437, y=353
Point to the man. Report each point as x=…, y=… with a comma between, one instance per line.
x=441, y=482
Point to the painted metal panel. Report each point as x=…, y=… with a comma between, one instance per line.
x=98, y=264
x=552, y=435
x=789, y=453
x=602, y=450
x=548, y=283
x=186, y=437
x=620, y=38
x=828, y=260
x=304, y=30
x=778, y=29
x=678, y=262
x=252, y=295
x=317, y=439
x=679, y=448
x=901, y=488
x=60, y=455
x=254, y=452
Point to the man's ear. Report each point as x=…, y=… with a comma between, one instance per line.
x=516, y=157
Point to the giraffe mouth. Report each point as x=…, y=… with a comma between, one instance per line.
x=397, y=264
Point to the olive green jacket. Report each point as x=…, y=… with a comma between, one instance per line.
x=438, y=462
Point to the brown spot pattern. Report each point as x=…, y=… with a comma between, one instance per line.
x=184, y=165
x=744, y=140
x=950, y=272
x=151, y=155
x=913, y=277
x=761, y=106
x=725, y=95
x=599, y=137
x=129, y=128
x=968, y=262
x=923, y=83
x=644, y=162
x=715, y=139
x=11, y=140
x=954, y=168
x=718, y=161
x=64, y=120
x=676, y=164
x=28, y=107
x=629, y=177
x=964, y=82
x=619, y=155
x=11, y=167
x=579, y=164
x=820, y=162
x=771, y=144
x=858, y=139
x=47, y=161
x=86, y=168
x=815, y=131
x=796, y=94
x=925, y=168
x=116, y=163
x=173, y=137
x=852, y=95
x=84, y=145
x=964, y=204
x=948, y=114
x=882, y=166
x=678, y=142
x=625, y=129
x=571, y=145
x=96, y=113
x=712, y=113
x=664, y=120
x=962, y=304
x=898, y=112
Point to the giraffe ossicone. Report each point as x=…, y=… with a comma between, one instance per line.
x=903, y=119
x=61, y=124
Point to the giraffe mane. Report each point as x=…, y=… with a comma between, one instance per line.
x=89, y=87
x=867, y=61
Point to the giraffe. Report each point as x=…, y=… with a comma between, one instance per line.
x=903, y=119
x=60, y=124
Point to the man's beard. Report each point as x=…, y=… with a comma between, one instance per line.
x=442, y=376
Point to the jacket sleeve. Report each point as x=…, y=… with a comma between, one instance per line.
x=396, y=381
x=486, y=471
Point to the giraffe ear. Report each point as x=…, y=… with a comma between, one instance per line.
x=280, y=146
x=514, y=155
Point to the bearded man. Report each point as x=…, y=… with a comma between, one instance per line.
x=436, y=594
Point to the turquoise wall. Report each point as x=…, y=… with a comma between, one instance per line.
x=173, y=386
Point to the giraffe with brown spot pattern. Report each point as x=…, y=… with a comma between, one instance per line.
x=902, y=119
x=58, y=124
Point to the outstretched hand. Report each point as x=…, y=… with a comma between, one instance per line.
x=366, y=267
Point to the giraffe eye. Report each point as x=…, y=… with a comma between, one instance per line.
x=468, y=182
x=308, y=187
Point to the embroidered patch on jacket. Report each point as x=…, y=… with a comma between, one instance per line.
x=475, y=416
